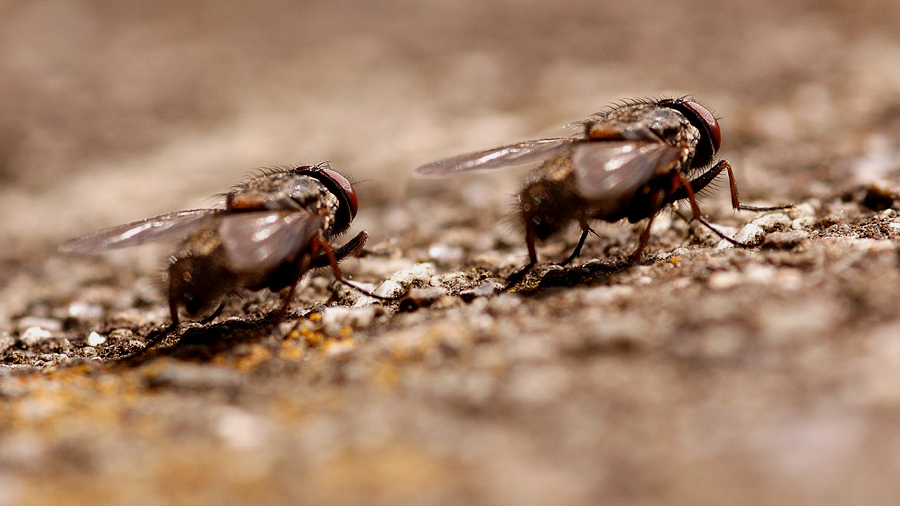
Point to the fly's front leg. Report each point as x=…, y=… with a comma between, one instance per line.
x=735, y=198
x=686, y=188
x=352, y=248
x=334, y=256
x=695, y=208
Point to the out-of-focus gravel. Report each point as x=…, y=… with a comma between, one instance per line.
x=705, y=375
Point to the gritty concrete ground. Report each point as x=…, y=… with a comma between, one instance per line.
x=703, y=375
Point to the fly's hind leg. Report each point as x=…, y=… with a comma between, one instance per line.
x=157, y=336
x=585, y=230
x=514, y=278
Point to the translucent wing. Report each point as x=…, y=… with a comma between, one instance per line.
x=258, y=241
x=608, y=170
x=170, y=226
x=536, y=150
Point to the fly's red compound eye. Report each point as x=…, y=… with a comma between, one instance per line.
x=345, y=187
x=712, y=125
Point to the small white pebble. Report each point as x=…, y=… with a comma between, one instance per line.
x=772, y=221
x=750, y=234
x=27, y=322
x=339, y=348
x=389, y=289
x=800, y=211
x=386, y=289
x=241, y=430
x=417, y=273
x=95, y=339
x=803, y=223
x=485, y=289
x=761, y=274
x=34, y=335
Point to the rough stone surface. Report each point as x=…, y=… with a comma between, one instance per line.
x=701, y=375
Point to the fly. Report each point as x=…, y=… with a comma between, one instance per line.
x=630, y=162
x=273, y=228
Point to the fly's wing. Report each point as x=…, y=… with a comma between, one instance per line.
x=605, y=170
x=170, y=226
x=259, y=241
x=520, y=153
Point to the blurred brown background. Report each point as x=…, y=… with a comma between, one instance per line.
x=734, y=377
x=111, y=111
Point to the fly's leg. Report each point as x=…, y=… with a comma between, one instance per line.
x=289, y=296
x=688, y=188
x=352, y=248
x=695, y=209
x=333, y=259
x=155, y=337
x=517, y=276
x=735, y=198
x=656, y=203
x=642, y=241
x=585, y=230
x=215, y=314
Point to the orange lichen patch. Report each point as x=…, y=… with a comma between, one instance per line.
x=293, y=334
x=58, y=400
x=291, y=350
x=346, y=331
x=675, y=260
x=313, y=338
x=249, y=362
x=315, y=317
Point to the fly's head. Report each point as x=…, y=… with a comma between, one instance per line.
x=699, y=117
x=340, y=189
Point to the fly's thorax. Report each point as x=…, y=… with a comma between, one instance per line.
x=286, y=191
x=282, y=191
x=642, y=121
x=646, y=122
